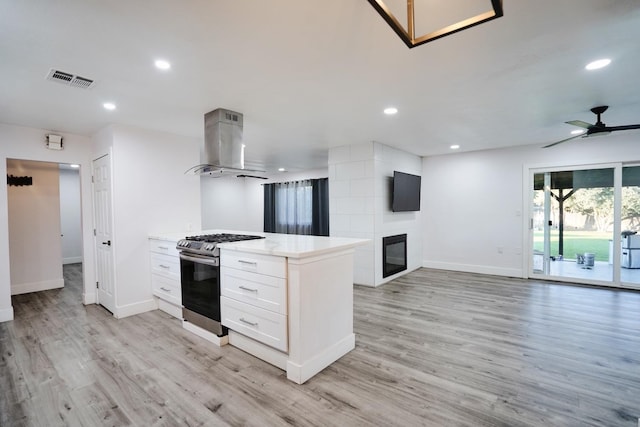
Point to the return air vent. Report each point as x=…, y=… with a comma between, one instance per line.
x=70, y=79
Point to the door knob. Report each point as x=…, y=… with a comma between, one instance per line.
x=108, y=243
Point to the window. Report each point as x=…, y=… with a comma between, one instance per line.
x=298, y=207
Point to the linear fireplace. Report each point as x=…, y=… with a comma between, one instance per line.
x=394, y=254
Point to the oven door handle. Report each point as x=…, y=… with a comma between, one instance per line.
x=213, y=261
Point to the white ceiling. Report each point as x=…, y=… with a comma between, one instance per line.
x=309, y=75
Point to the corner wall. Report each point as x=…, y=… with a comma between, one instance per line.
x=150, y=194
x=360, y=187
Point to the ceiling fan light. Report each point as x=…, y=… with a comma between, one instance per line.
x=577, y=132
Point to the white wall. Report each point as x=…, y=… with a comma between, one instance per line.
x=360, y=179
x=70, y=216
x=34, y=228
x=232, y=203
x=29, y=144
x=475, y=203
x=151, y=194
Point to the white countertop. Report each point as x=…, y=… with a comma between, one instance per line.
x=288, y=245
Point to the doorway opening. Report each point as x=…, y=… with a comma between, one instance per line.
x=45, y=226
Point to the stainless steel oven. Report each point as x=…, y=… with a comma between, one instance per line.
x=200, y=283
x=200, y=279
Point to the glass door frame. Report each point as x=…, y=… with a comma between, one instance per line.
x=529, y=229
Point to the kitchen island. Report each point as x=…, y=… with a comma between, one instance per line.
x=288, y=299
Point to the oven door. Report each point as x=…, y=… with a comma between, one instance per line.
x=200, y=283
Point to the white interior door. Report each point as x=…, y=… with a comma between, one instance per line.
x=103, y=233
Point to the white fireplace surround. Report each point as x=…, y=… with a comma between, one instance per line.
x=360, y=186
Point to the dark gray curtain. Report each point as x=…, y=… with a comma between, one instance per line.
x=320, y=222
x=269, y=208
x=299, y=207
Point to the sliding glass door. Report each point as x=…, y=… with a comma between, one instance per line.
x=572, y=224
x=630, y=226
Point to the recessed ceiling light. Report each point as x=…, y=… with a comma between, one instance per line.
x=390, y=111
x=74, y=166
x=161, y=64
x=454, y=147
x=109, y=106
x=577, y=132
x=281, y=169
x=600, y=63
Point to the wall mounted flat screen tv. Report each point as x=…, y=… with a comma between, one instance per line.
x=406, y=192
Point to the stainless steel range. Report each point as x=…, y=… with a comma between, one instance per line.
x=200, y=278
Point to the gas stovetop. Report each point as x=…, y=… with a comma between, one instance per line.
x=207, y=244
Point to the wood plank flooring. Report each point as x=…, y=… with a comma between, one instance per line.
x=433, y=348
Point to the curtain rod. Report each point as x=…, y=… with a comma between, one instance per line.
x=293, y=182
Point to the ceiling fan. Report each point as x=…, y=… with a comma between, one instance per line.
x=592, y=130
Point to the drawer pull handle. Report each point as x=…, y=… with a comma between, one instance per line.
x=165, y=289
x=243, y=320
x=241, y=261
x=164, y=266
x=163, y=247
x=244, y=288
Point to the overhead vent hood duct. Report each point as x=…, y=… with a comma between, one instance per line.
x=223, y=148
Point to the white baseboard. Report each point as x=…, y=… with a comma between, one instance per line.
x=6, y=314
x=135, y=308
x=471, y=268
x=45, y=285
x=72, y=260
x=88, y=298
x=299, y=373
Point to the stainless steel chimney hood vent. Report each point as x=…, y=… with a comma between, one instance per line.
x=223, y=148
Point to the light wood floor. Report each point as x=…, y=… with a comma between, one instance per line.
x=433, y=348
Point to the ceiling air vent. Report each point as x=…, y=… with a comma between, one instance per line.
x=69, y=79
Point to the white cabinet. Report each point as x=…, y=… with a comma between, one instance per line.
x=267, y=265
x=165, y=275
x=254, y=296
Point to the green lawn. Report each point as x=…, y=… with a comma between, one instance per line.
x=577, y=242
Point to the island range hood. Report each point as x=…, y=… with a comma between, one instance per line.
x=223, y=148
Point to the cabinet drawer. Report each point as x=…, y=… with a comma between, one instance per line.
x=266, y=292
x=163, y=247
x=262, y=325
x=166, y=265
x=255, y=263
x=167, y=289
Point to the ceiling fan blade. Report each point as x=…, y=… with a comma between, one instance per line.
x=624, y=127
x=579, y=123
x=563, y=140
